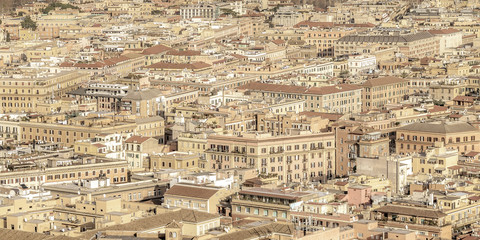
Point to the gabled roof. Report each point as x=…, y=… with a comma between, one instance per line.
x=179, y=66
x=183, y=53
x=157, y=221
x=191, y=191
x=443, y=31
x=439, y=127
x=261, y=232
x=137, y=139
x=17, y=234
x=157, y=49
x=411, y=211
x=383, y=81
x=386, y=38
x=258, y=86
x=144, y=94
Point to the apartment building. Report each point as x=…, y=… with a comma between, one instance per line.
x=109, y=145
x=10, y=130
x=177, y=160
x=67, y=170
x=293, y=158
x=154, y=102
x=417, y=137
x=435, y=160
x=196, y=197
x=447, y=90
x=362, y=64
x=80, y=128
x=378, y=92
x=67, y=216
x=107, y=96
x=324, y=39
x=207, y=11
x=95, y=189
x=283, y=124
x=462, y=208
x=121, y=65
x=415, y=45
x=287, y=17
x=267, y=204
x=137, y=151
x=342, y=98
x=428, y=222
x=23, y=94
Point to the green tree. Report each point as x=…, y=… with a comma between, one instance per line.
x=227, y=11
x=29, y=23
x=344, y=74
x=275, y=9
x=54, y=5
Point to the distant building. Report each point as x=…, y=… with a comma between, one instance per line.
x=199, y=10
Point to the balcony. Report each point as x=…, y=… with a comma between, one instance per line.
x=277, y=151
x=280, y=205
x=238, y=152
x=412, y=226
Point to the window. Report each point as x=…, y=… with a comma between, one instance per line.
x=255, y=211
x=239, y=209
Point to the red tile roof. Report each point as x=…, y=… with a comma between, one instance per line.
x=464, y=99
x=267, y=87
x=191, y=191
x=443, y=31
x=137, y=139
x=183, y=53
x=438, y=109
x=168, y=65
x=156, y=49
x=472, y=154
x=383, y=81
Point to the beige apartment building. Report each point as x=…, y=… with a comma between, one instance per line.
x=61, y=170
x=325, y=39
x=435, y=160
x=9, y=130
x=128, y=192
x=23, y=94
x=415, y=45
x=176, y=160
x=137, y=151
x=378, y=92
x=293, y=158
x=447, y=90
x=417, y=137
x=267, y=204
x=196, y=197
x=80, y=128
x=341, y=98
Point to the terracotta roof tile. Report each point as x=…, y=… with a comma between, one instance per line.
x=191, y=191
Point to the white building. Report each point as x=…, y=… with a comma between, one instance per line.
x=449, y=38
x=361, y=64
